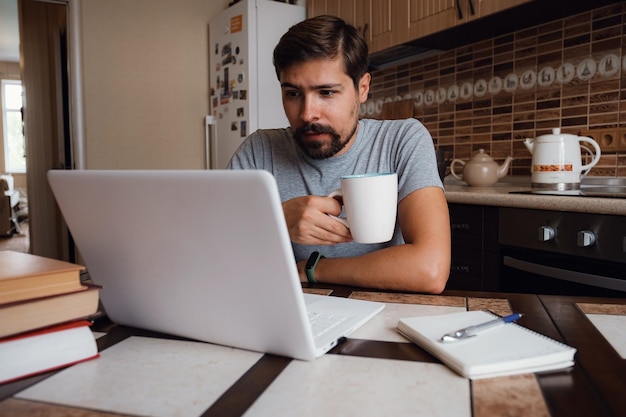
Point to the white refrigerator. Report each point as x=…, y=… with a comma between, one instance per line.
x=244, y=91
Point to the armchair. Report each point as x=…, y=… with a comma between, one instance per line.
x=9, y=199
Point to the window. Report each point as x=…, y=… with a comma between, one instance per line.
x=14, y=142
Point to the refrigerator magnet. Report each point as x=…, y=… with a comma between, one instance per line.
x=236, y=23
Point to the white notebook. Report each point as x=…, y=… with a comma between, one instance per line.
x=504, y=350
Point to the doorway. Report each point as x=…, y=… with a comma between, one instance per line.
x=45, y=76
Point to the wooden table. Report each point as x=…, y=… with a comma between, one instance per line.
x=595, y=386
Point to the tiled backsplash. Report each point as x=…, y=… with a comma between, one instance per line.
x=569, y=73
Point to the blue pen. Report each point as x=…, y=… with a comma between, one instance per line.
x=474, y=330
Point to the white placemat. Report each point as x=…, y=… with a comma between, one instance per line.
x=340, y=385
x=148, y=377
x=383, y=326
x=612, y=328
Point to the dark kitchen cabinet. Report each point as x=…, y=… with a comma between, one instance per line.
x=389, y=23
x=400, y=30
x=475, y=249
x=373, y=18
x=428, y=17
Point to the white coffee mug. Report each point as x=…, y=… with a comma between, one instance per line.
x=371, y=205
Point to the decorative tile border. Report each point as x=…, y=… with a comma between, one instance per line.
x=434, y=300
x=499, y=306
x=319, y=291
x=16, y=407
x=613, y=309
x=519, y=395
x=609, y=66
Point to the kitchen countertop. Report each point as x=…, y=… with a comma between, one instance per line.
x=499, y=195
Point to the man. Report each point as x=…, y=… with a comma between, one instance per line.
x=321, y=64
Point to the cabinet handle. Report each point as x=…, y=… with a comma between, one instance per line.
x=459, y=226
x=471, y=6
x=565, y=274
x=459, y=10
x=460, y=268
x=365, y=28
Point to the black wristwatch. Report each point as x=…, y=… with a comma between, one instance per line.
x=311, y=264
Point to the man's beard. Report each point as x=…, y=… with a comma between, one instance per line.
x=319, y=149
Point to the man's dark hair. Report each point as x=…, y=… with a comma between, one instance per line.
x=323, y=37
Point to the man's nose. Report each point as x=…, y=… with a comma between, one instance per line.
x=310, y=109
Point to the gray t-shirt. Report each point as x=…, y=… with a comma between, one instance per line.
x=401, y=146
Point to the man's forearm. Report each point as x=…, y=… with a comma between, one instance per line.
x=400, y=268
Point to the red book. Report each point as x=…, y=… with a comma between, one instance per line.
x=46, y=350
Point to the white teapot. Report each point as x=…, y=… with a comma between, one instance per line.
x=557, y=160
x=481, y=170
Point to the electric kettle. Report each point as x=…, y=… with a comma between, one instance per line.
x=557, y=160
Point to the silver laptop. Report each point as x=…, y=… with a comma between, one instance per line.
x=200, y=254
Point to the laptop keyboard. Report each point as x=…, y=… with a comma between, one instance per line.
x=322, y=322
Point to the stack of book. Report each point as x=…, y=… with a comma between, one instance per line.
x=44, y=315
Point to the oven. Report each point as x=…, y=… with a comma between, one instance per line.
x=552, y=252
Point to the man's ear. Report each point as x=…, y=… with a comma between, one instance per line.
x=364, y=87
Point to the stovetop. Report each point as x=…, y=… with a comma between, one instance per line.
x=603, y=187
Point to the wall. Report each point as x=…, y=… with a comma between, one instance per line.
x=146, y=82
x=145, y=71
x=10, y=71
x=516, y=88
